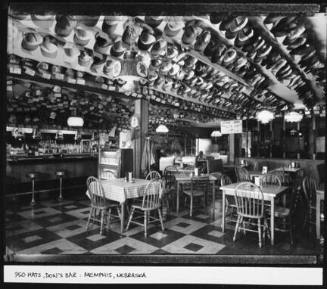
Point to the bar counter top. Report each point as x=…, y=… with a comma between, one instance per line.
x=50, y=158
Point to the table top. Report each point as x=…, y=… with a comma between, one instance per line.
x=124, y=184
x=182, y=178
x=255, y=173
x=270, y=190
x=290, y=170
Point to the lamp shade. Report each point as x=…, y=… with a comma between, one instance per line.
x=75, y=121
x=265, y=116
x=216, y=133
x=293, y=116
x=162, y=129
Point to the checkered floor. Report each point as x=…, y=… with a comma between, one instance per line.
x=59, y=228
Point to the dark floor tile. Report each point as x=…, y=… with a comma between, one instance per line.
x=92, y=239
x=193, y=247
x=125, y=249
x=68, y=206
x=209, y=232
x=30, y=239
x=158, y=238
x=182, y=225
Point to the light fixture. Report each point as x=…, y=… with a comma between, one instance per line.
x=162, y=129
x=293, y=116
x=216, y=133
x=75, y=121
x=265, y=116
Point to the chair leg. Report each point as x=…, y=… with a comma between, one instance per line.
x=161, y=221
x=259, y=232
x=237, y=227
x=291, y=232
x=109, y=219
x=130, y=218
x=191, y=206
x=102, y=221
x=145, y=224
x=89, y=218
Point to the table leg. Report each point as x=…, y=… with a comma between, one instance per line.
x=213, y=200
x=223, y=213
x=177, y=200
x=317, y=216
x=122, y=212
x=272, y=221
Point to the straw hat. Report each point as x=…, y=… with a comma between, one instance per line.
x=173, y=26
x=82, y=37
x=146, y=40
x=90, y=21
x=48, y=48
x=153, y=21
x=43, y=21
x=112, y=68
x=84, y=59
x=202, y=40
x=189, y=35
x=101, y=44
x=31, y=41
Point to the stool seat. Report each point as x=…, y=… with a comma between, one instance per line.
x=60, y=173
x=32, y=175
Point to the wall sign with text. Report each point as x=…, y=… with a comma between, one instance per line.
x=231, y=126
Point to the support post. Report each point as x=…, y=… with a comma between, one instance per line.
x=141, y=110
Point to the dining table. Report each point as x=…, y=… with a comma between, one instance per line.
x=120, y=190
x=186, y=178
x=320, y=196
x=270, y=193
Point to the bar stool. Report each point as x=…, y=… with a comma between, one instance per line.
x=32, y=176
x=60, y=175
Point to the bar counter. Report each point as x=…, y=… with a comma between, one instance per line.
x=75, y=166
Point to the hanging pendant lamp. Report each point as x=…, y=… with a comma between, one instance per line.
x=265, y=116
x=216, y=133
x=293, y=116
x=162, y=129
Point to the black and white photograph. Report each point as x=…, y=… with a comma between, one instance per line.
x=164, y=133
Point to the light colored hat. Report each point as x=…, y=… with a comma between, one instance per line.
x=49, y=49
x=82, y=36
x=43, y=21
x=31, y=41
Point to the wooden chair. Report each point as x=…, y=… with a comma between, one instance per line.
x=198, y=188
x=309, y=185
x=99, y=204
x=169, y=176
x=242, y=174
x=151, y=202
x=230, y=206
x=250, y=205
x=270, y=179
x=284, y=177
x=153, y=175
x=285, y=216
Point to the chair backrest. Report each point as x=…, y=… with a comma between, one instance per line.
x=284, y=177
x=270, y=179
x=153, y=175
x=309, y=185
x=249, y=200
x=96, y=192
x=110, y=175
x=169, y=175
x=199, y=184
x=225, y=180
x=152, y=195
x=242, y=174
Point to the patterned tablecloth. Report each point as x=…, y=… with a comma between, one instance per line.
x=119, y=190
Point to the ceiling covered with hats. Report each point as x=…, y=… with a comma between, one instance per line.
x=192, y=69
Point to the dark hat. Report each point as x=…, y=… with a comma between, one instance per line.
x=189, y=35
x=87, y=20
x=117, y=50
x=146, y=39
x=153, y=21
x=202, y=40
x=101, y=44
x=65, y=25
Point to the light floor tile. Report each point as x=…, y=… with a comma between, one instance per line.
x=79, y=213
x=193, y=225
x=38, y=213
x=140, y=247
x=215, y=233
x=63, y=231
x=202, y=216
x=115, y=227
x=23, y=227
x=158, y=236
x=95, y=237
x=30, y=239
x=64, y=245
x=178, y=247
